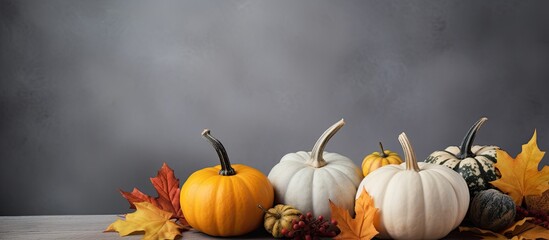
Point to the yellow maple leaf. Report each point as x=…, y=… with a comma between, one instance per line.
x=362, y=226
x=520, y=176
x=520, y=230
x=151, y=220
x=536, y=232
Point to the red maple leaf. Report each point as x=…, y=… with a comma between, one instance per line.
x=167, y=187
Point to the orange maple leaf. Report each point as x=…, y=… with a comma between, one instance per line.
x=520, y=176
x=520, y=230
x=167, y=187
x=362, y=226
x=148, y=218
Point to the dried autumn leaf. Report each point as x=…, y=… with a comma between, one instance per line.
x=149, y=219
x=520, y=230
x=485, y=234
x=362, y=226
x=167, y=187
x=536, y=232
x=520, y=177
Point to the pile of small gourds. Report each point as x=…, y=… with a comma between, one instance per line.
x=416, y=200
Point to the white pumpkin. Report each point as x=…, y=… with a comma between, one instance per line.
x=307, y=180
x=416, y=200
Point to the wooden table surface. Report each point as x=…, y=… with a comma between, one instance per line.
x=92, y=226
x=79, y=227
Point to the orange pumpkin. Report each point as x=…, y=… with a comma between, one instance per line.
x=379, y=159
x=222, y=200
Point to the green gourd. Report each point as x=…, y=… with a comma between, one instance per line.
x=492, y=210
x=474, y=163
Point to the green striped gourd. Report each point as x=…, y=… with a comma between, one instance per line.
x=474, y=163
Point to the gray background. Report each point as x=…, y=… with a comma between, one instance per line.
x=95, y=95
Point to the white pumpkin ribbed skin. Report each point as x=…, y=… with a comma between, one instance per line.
x=427, y=204
x=308, y=188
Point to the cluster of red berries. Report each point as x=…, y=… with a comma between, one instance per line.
x=540, y=217
x=309, y=228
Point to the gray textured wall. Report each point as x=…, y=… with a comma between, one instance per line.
x=95, y=95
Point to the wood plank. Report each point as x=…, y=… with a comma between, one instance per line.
x=91, y=227
x=78, y=227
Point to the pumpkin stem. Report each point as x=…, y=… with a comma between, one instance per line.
x=383, y=155
x=467, y=143
x=409, y=155
x=226, y=169
x=276, y=215
x=316, y=154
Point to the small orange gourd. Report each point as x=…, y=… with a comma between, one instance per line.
x=379, y=159
x=222, y=200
